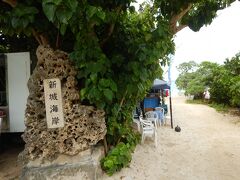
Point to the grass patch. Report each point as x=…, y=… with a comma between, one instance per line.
x=220, y=107
x=195, y=101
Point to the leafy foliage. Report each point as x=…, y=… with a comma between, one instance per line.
x=235, y=91
x=233, y=67
x=195, y=78
x=116, y=50
x=201, y=12
x=220, y=86
x=187, y=67
x=117, y=158
x=223, y=80
x=226, y=82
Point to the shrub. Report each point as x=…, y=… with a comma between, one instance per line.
x=117, y=158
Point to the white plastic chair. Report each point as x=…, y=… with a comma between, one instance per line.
x=148, y=129
x=136, y=120
x=152, y=116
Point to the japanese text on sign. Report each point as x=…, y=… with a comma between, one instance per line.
x=53, y=103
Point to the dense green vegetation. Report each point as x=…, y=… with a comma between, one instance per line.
x=223, y=80
x=116, y=49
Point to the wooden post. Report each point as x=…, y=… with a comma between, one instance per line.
x=170, y=99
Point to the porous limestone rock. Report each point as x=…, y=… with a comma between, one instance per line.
x=83, y=166
x=84, y=125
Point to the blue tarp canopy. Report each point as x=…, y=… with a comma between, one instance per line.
x=160, y=84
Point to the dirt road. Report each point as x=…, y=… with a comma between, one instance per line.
x=207, y=148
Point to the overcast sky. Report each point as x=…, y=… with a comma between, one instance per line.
x=214, y=42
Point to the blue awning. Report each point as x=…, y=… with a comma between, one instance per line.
x=160, y=84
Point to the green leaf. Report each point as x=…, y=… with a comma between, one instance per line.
x=24, y=23
x=95, y=67
x=49, y=10
x=104, y=82
x=64, y=15
x=132, y=9
x=101, y=14
x=30, y=10
x=109, y=163
x=21, y=10
x=108, y=94
x=15, y=22
x=95, y=93
x=72, y=4
x=113, y=86
x=56, y=2
x=93, y=77
x=148, y=37
x=63, y=28
x=91, y=10
x=83, y=92
x=30, y=18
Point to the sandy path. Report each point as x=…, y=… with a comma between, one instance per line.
x=207, y=148
x=9, y=168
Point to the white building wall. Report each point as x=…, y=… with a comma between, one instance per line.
x=18, y=73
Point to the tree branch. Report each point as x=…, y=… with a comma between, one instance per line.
x=12, y=3
x=35, y=35
x=44, y=40
x=122, y=101
x=41, y=39
x=111, y=28
x=180, y=27
x=177, y=17
x=110, y=31
x=57, y=45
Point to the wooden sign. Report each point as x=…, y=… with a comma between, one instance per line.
x=53, y=103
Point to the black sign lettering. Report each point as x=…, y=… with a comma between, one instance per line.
x=53, y=108
x=52, y=84
x=55, y=120
x=53, y=96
